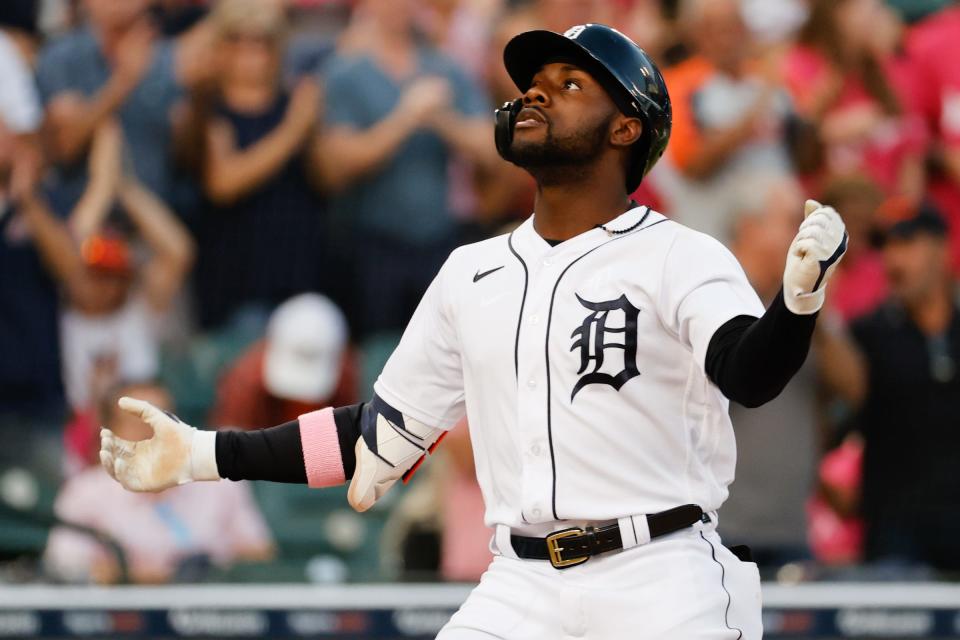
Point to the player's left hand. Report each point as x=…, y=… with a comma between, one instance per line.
x=176, y=454
x=813, y=257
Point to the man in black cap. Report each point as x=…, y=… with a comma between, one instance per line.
x=593, y=351
x=900, y=371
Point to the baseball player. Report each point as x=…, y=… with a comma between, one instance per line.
x=593, y=350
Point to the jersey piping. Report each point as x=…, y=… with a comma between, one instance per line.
x=546, y=348
x=723, y=585
x=523, y=301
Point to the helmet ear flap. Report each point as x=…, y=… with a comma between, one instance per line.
x=639, y=160
x=506, y=118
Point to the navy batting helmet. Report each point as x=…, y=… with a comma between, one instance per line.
x=624, y=70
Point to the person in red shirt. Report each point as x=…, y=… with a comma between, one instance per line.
x=933, y=48
x=304, y=363
x=844, y=78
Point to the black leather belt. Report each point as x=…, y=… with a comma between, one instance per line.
x=570, y=547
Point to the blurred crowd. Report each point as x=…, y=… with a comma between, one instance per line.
x=232, y=207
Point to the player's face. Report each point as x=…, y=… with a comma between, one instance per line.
x=565, y=120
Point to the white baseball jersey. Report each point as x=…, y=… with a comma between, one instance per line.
x=580, y=368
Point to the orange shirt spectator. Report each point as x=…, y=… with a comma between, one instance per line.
x=684, y=80
x=732, y=119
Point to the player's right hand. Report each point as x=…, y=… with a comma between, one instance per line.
x=176, y=454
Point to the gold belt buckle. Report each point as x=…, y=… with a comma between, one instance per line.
x=556, y=551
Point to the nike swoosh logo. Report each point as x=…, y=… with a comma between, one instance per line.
x=478, y=275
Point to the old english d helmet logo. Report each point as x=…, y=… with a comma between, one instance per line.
x=594, y=337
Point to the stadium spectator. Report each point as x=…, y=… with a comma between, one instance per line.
x=31, y=393
x=835, y=530
x=112, y=68
x=304, y=363
x=164, y=536
x=653, y=25
x=462, y=29
x=396, y=112
x=19, y=105
x=859, y=284
x=844, y=78
x=900, y=371
x=777, y=444
x=114, y=305
x=263, y=238
x=932, y=48
x=29, y=359
x=731, y=118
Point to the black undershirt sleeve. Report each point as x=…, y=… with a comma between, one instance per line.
x=752, y=359
x=276, y=454
x=348, y=432
x=264, y=454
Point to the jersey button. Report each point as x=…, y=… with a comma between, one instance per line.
x=535, y=450
x=532, y=383
x=536, y=513
x=534, y=319
x=547, y=262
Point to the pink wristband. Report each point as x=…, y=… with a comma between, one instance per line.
x=321, y=449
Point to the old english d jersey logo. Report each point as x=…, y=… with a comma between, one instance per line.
x=594, y=337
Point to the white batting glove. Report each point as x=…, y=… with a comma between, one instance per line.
x=176, y=454
x=813, y=257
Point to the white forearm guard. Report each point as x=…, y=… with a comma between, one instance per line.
x=389, y=448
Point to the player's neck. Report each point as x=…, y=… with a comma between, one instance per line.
x=567, y=210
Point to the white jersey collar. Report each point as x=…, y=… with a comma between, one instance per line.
x=530, y=244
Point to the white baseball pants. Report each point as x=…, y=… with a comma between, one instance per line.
x=685, y=585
